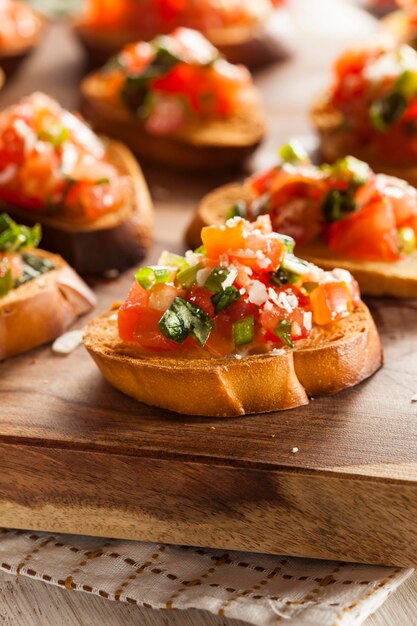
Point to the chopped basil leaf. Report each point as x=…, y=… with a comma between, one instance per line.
x=408, y=239
x=294, y=152
x=185, y=318
x=407, y=83
x=216, y=279
x=149, y=276
x=338, y=204
x=284, y=277
x=6, y=283
x=188, y=277
x=244, y=330
x=33, y=266
x=386, y=111
x=223, y=299
x=237, y=210
x=283, y=331
x=351, y=169
x=14, y=237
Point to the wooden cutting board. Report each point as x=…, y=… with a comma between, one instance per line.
x=77, y=456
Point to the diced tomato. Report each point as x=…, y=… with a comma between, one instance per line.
x=331, y=302
x=261, y=253
x=217, y=240
x=202, y=298
x=90, y=200
x=261, y=183
x=368, y=234
x=12, y=148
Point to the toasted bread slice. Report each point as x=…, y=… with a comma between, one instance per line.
x=116, y=240
x=216, y=144
x=375, y=278
x=336, y=142
x=12, y=56
x=42, y=309
x=266, y=41
x=331, y=359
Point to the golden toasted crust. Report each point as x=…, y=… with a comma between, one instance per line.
x=215, y=144
x=42, y=309
x=125, y=235
x=375, y=278
x=336, y=142
x=265, y=41
x=333, y=358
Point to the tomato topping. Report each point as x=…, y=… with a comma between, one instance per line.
x=217, y=301
x=51, y=161
x=18, y=24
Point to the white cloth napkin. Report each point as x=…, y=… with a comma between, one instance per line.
x=259, y=589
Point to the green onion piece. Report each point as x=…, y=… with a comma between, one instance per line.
x=14, y=237
x=223, y=299
x=149, y=276
x=185, y=318
x=6, y=283
x=294, y=152
x=408, y=239
x=103, y=181
x=338, y=204
x=283, y=331
x=243, y=330
x=188, y=277
x=386, y=111
x=295, y=265
x=56, y=135
x=407, y=83
x=355, y=171
x=288, y=241
x=237, y=210
x=169, y=259
x=310, y=286
x=284, y=277
x=216, y=279
x=200, y=250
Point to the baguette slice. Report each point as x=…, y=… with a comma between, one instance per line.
x=213, y=145
x=12, y=56
x=42, y=309
x=375, y=278
x=256, y=45
x=336, y=142
x=331, y=359
x=116, y=240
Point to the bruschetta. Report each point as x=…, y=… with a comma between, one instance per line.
x=177, y=102
x=89, y=194
x=401, y=24
x=370, y=110
x=21, y=29
x=241, y=325
x=40, y=295
x=341, y=215
x=248, y=32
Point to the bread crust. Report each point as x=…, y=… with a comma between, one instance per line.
x=375, y=278
x=335, y=142
x=256, y=45
x=42, y=309
x=125, y=235
x=332, y=359
x=217, y=144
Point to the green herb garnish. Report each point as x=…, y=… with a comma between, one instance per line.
x=284, y=277
x=151, y=275
x=184, y=318
x=223, y=299
x=56, y=135
x=187, y=278
x=338, y=204
x=239, y=209
x=15, y=237
x=387, y=110
x=283, y=331
x=243, y=331
x=173, y=260
x=294, y=152
x=216, y=279
x=6, y=283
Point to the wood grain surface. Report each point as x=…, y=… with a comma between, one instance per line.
x=77, y=456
